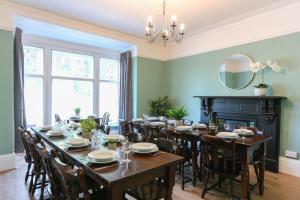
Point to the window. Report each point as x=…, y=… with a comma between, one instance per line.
x=33, y=84
x=109, y=88
x=72, y=84
x=58, y=80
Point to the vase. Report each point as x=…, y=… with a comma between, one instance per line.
x=260, y=91
x=87, y=135
x=178, y=122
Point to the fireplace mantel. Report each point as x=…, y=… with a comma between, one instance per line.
x=264, y=112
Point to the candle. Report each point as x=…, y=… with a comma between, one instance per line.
x=173, y=19
x=181, y=28
x=149, y=19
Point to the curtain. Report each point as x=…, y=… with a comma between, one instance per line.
x=125, y=86
x=19, y=108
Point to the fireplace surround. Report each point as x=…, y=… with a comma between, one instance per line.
x=262, y=112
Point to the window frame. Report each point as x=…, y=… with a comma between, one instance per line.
x=49, y=45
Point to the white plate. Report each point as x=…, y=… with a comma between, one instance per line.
x=103, y=155
x=200, y=125
x=116, y=138
x=157, y=123
x=143, y=147
x=101, y=162
x=137, y=120
x=145, y=152
x=152, y=118
x=227, y=135
x=184, y=128
x=46, y=128
x=78, y=142
x=243, y=132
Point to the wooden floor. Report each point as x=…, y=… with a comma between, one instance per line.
x=277, y=187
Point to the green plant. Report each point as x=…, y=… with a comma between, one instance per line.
x=88, y=125
x=160, y=106
x=77, y=110
x=177, y=113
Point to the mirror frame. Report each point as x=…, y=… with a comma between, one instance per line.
x=253, y=74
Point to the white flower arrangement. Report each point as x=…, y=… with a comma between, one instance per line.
x=258, y=66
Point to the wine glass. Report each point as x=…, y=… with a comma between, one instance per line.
x=126, y=149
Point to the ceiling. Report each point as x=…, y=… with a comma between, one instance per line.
x=129, y=16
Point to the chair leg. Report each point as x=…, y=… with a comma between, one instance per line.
x=31, y=182
x=205, y=184
x=256, y=167
x=35, y=184
x=43, y=184
x=28, y=171
x=220, y=182
x=182, y=174
x=231, y=187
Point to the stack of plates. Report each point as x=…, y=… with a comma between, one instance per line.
x=55, y=133
x=184, y=128
x=200, y=125
x=144, y=148
x=102, y=156
x=137, y=120
x=152, y=119
x=243, y=132
x=78, y=142
x=46, y=128
x=227, y=135
x=113, y=138
x=157, y=123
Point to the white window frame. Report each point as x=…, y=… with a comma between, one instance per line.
x=49, y=45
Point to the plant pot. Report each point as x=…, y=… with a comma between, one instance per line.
x=87, y=135
x=178, y=122
x=112, y=145
x=260, y=91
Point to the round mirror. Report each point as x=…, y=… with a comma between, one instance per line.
x=235, y=73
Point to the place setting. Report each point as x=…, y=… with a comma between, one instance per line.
x=77, y=144
x=144, y=148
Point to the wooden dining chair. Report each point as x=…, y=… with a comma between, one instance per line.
x=124, y=127
x=220, y=158
x=38, y=169
x=73, y=183
x=187, y=122
x=27, y=157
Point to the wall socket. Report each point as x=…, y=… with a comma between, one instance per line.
x=291, y=154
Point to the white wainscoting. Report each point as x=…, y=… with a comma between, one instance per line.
x=7, y=162
x=289, y=166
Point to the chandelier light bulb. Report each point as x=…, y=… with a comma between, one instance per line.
x=149, y=19
x=173, y=19
x=182, y=27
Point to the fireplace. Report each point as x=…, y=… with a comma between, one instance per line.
x=261, y=112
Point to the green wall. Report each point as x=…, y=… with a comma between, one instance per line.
x=198, y=75
x=6, y=92
x=148, y=83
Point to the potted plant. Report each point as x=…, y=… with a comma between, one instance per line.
x=261, y=89
x=177, y=114
x=77, y=111
x=87, y=125
x=160, y=106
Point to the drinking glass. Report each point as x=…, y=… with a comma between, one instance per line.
x=96, y=139
x=126, y=149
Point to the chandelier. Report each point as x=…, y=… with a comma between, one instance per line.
x=166, y=31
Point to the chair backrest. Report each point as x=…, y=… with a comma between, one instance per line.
x=72, y=181
x=105, y=118
x=37, y=159
x=107, y=130
x=166, y=145
x=57, y=118
x=219, y=155
x=52, y=173
x=124, y=127
x=23, y=133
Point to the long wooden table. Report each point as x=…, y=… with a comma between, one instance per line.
x=118, y=178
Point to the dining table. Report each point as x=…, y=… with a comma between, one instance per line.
x=118, y=177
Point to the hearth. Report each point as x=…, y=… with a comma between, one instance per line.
x=261, y=112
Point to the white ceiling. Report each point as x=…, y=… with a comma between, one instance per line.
x=129, y=16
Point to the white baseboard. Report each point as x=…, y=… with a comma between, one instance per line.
x=7, y=162
x=289, y=166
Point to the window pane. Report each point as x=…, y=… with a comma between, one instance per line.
x=109, y=69
x=33, y=89
x=72, y=65
x=109, y=100
x=68, y=95
x=33, y=60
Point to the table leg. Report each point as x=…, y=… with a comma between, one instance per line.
x=170, y=181
x=194, y=162
x=245, y=174
x=115, y=193
x=262, y=168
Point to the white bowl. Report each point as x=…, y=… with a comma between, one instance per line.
x=143, y=147
x=227, y=135
x=78, y=142
x=103, y=155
